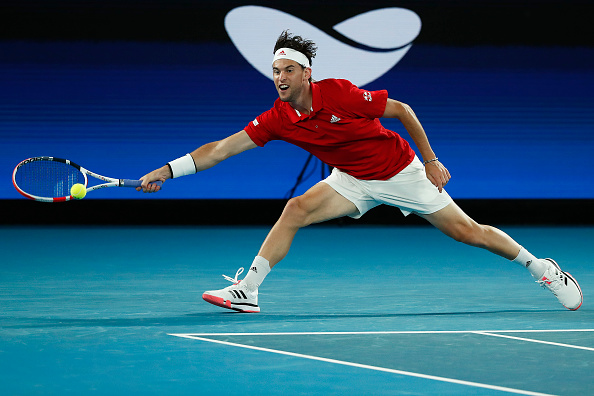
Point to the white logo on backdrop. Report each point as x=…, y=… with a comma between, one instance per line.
x=254, y=29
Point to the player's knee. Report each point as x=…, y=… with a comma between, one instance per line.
x=296, y=212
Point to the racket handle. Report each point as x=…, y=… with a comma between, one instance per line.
x=136, y=183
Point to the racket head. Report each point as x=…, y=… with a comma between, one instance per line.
x=47, y=179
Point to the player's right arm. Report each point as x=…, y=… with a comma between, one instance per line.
x=204, y=157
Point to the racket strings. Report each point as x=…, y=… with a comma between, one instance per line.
x=50, y=179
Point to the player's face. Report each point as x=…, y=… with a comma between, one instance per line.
x=290, y=79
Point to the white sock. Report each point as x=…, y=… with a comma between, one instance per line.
x=258, y=271
x=535, y=266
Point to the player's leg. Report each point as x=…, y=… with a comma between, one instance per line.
x=456, y=224
x=318, y=204
x=453, y=222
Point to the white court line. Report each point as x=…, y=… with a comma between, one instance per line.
x=532, y=340
x=358, y=365
x=384, y=332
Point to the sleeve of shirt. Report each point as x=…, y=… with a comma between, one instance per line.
x=261, y=129
x=364, y=103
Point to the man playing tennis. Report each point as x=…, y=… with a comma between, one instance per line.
x=339, y=124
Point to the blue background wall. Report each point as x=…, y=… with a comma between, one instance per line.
x=506, y=102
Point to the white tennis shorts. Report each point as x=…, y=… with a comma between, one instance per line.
x=409, y=190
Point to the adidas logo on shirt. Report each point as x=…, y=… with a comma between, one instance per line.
x=334, y=119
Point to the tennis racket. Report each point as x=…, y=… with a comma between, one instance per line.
x=49, y=179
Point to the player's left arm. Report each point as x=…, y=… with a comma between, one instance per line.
x=436, y=172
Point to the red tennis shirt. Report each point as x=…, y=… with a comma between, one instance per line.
x=342, y=130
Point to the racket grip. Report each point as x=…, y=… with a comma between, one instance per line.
x=136, y=183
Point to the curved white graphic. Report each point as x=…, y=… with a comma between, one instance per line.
x=254, y=30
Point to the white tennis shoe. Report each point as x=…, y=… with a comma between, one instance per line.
x=562, y=285
x=238, y=297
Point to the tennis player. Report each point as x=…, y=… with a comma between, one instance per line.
x=339, y=124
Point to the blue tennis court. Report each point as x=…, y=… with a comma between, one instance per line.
x=354, y=309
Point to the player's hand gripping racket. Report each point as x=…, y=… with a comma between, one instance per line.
x=49, y=179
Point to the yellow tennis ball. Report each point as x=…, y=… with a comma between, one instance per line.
x=78, y=191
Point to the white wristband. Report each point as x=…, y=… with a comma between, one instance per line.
x=182, y=166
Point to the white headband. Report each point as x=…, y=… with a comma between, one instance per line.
x=289, y=53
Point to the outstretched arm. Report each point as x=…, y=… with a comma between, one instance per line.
x=204, y=157
x=436, y=172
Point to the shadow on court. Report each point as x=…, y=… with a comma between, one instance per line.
x=220, y=318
